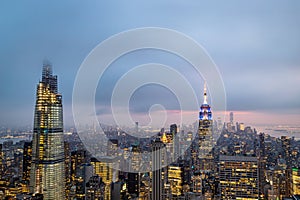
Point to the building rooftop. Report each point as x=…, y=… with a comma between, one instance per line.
x=238, y=158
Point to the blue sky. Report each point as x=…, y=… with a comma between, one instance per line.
x=255, y=44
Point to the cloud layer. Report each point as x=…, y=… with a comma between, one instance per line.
x=255, y=44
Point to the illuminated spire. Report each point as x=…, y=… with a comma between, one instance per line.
x=205, y=95
x=205, y=112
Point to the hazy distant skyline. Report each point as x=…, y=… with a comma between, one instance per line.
x=255, y=45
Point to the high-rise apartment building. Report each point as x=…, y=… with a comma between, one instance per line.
x=47, y=174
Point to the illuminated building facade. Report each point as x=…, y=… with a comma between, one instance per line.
x=238, y=177
x=77, y=158
x=296, y=181
x=205, y=138
x=104, y=169
x=196, y=183
x=286, y=146
x=175, y=180
x=287, y=155
x=278, y=182
x=67, y=168
x=47, y=174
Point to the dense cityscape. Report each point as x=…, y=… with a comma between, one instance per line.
x=209, y=159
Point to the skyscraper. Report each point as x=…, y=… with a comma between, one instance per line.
x=205, y=138
x=176, y=145
x=262, y=162
x=83, y=174
x=231, y=117
x=27, y=157
x=157, y=160
x=238, y=177
x=47, y=174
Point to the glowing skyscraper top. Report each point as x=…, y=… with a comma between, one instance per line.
x=205, y=111
x=205, y=136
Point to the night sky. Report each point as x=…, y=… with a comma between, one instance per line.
x=255, y=44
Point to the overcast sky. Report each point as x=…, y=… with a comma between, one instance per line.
x=255, y=44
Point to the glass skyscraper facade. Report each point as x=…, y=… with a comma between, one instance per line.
x=47, y=174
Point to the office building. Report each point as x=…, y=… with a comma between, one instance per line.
x=205, y=137
x=47, y=174
x=176, y=180
x=157, y=161
x=238, y=177
x=83, y=174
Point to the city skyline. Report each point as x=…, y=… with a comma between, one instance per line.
x=156, y=100
x=255, y=48
x=207, y=161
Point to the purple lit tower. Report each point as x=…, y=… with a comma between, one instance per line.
x=205, y=134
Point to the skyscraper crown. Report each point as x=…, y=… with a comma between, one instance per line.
x=205, y=111
x=48, y=78
x=47, y=69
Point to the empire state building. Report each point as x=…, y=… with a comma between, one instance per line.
x=205, y=137
x=47, y=174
